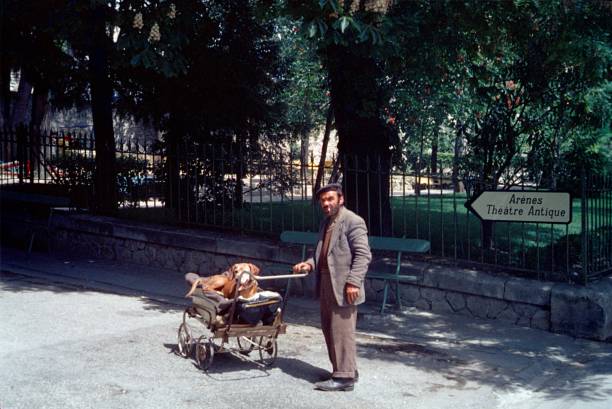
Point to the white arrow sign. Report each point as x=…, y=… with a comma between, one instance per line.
x=522, y=206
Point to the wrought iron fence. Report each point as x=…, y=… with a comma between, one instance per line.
x=266, y=190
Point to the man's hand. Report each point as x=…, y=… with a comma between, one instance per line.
x=301, y=267
x=351, y=293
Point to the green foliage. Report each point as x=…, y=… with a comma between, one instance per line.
x=76, y=171
x=512, y=83
x=72, y=170
x=587, y=157
x=227, y=91
x=304, y=94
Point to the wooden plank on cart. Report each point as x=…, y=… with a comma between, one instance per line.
x=250, y=331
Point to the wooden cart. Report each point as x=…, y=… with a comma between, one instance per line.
x=226, y=336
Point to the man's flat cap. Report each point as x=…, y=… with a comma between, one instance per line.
x=330, y=187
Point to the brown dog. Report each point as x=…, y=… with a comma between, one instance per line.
x=227, y=282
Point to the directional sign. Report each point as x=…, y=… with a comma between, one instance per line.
x=522, y=206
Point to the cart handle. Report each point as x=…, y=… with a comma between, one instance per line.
x=260, y=278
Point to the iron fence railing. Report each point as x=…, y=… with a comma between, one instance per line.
x=266, y=190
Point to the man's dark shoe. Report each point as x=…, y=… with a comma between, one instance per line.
x=336, y=384
x=326, y=377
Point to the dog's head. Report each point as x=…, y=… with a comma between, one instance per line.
x=247, y=284
x=238, y=268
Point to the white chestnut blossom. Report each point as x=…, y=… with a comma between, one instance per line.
x=154, y=35
x=138, y=22
x=172, y=12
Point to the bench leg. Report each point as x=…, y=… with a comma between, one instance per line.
x=31, y=243
x=398, y=298
x=385, y=293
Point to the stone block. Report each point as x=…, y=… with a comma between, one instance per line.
x=456, y=301
x=206, y=265
x=247, y=249
x=496, y=307
x=370, y=293
x=482, y=307
x=527, y=291
x=151, y=253
x=476, y=306
x=465, y=281
x=423, y=304
x=441, y=306
x=124, y=253
x=220, y=263
x=434, y=296
x=409, y=293
x=377, y=285
x=541, y=320
x=584, y=312
x=129, y=232
x=525, y=311
x=140, y=257
x=508, y=315
x=106, y=252
x=191, y=261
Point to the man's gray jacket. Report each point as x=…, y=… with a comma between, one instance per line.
x=348, y=256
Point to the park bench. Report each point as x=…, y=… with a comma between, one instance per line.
x=399, y=246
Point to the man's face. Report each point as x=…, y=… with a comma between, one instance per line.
x=331, y=202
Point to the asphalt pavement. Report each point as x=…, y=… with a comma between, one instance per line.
x=83, y=333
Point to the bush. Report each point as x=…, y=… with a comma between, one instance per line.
x=77, y=172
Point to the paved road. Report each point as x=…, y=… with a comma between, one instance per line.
x=70, y=345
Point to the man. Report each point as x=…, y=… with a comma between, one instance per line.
x=340, y=262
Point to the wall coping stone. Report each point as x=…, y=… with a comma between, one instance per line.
x=473, y=282
x=191, y=239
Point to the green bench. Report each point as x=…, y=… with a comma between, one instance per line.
x=399, y=246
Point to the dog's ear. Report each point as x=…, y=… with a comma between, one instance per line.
x=230, y=271
x=254, y=269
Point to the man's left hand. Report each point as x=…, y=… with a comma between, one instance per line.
x=351, y=292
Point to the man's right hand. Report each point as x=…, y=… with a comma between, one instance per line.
x=301, y=267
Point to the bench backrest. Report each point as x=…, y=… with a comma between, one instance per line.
x=376, y=242
x=299, y=237
x=399, y=244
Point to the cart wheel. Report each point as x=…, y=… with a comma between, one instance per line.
x=185, y=341
x=246, y=346
x=267, y=350
x=204, y=353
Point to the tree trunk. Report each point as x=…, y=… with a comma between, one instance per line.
x=40, y=101
x=434, y=152
x=364, y=138
x=172, y=164
x=20, y=111
x=5, y=92
x=304, y=146
x=457, y=151
x=105, y=181
x=321, y=168
x=419, y=163
x=240, y=169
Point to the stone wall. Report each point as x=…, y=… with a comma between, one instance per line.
x=472, y=293
x=182, y=250
x=578, y=311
